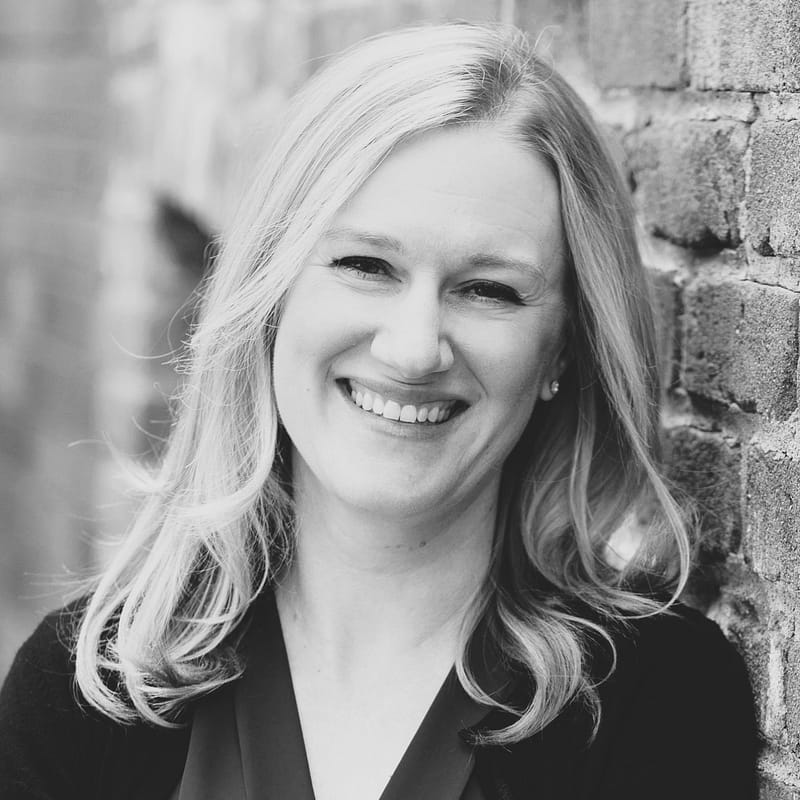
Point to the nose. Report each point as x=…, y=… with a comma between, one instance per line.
x=410, y=340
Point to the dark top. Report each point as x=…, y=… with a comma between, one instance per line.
x=677, y=722
x=247, y=741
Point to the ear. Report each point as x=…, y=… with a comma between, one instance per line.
x=550, y=384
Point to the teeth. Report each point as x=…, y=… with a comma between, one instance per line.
x=391, y=409
x=408, y=414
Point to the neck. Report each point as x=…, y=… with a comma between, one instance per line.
x=368, y=588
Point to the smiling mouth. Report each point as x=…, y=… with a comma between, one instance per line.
x=434, y=413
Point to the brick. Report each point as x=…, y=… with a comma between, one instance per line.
x=707, y=468
x=668, y=307
x=750, y=45
x=773, y=197
x=775, y=789
x=689, y=179
x=744, y=613
x=792, y=683
x=740, y=345
x=771, y=541
x=776, y=106
x=636, y=44
x=759, y=618
x=773, y=270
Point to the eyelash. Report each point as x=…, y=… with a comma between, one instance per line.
x=374, y=268
x=501, y=292
x=355, y=264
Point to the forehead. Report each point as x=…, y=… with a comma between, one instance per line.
x=461, y=189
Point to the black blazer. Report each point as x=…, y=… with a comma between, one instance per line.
x=677, y=723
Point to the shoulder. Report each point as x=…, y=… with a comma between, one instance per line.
x=681, y=640
x=681, y=658
x=41, y=675
x=43, y=727
x=678, y=704
x=676, y=720
x=52, y=744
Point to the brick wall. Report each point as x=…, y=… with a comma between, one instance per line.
x=701, y=99
x=707, y=117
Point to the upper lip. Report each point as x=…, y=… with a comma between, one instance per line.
x=407, y=394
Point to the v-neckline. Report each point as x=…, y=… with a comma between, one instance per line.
x=247, y=741
x=435, y=766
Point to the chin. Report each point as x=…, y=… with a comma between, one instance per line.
x=395, y=503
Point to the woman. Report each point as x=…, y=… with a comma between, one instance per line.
x=422, y=398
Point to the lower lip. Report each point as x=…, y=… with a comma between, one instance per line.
x=420, y=430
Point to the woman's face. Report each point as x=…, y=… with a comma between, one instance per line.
x=424, y=328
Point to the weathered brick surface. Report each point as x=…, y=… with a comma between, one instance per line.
x=773, y=270
x=668, y=306
x=636, y=44
x=740, y=344
x=792, y=684
x=744, y=613
x=772, y=514
x=690, y=179
x=748, y=45
x=773, y=196
x=706, y=468
x=775, y=789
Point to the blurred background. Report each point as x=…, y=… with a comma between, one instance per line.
x=127, y=128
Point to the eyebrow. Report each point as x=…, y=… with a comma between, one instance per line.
x=489, y=260
x=374, y=239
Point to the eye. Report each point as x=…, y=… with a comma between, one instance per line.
x=489, y=291
x=363, y=266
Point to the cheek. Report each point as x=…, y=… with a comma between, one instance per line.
x=516, y=374
x=309, y=332
x=318, y=328
x=294, y=356
x=513, y=367
x=320, y=317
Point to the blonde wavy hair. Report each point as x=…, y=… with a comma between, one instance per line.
x=163, y=622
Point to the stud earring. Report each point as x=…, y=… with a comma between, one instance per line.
x=554, y=387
